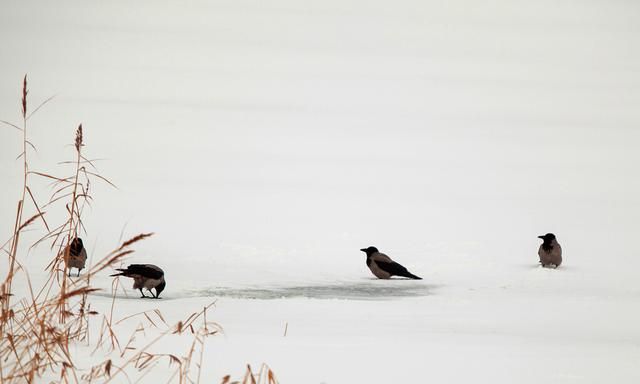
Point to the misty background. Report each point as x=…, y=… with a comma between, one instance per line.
x=272, y=140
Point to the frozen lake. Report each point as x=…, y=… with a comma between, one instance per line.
x=265, y=143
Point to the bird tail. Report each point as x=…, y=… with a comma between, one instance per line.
x=412, y=276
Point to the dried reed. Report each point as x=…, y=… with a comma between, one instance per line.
x=264, y=376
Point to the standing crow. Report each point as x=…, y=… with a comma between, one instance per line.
x=383, y=267
x=146, y=276
x=75, y=256
x=550, y=251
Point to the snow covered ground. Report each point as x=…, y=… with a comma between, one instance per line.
x=265, y=143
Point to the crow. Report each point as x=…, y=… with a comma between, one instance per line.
x=383, y=267
x=550, y=252
x=147, y=276
x=75, y=256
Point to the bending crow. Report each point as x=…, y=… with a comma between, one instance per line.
x=147, y=276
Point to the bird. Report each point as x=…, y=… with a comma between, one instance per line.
x=75, y=256
x=147, y=276
x=550, y=252
x=383, y=267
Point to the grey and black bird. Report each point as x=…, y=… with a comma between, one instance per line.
x=550, y=252
x=75, y=256
x=383, y=267
x=147, y=276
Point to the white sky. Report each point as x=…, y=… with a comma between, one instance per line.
x=303, y=131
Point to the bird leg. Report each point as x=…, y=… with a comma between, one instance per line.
x=78, y=272
x=152, y=294
x=143, y=296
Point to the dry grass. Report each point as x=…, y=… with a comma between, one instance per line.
x=264, y=376
x=39, y=332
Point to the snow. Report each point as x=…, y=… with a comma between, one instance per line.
x=265, y=143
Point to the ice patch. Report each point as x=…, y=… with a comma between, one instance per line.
x=374, y=290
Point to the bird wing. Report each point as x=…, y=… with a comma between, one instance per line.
x=393, y=268
x=144, y=270
x=558, y=250
x=386, y=264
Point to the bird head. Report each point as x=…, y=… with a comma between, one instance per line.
x=549, y=237
x=369, y=251
x=160, y=288
x=76, y=245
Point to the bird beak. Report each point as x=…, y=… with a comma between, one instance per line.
x=364, y=249
x=541, y=237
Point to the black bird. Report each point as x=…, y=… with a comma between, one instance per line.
x=75, y=256
x=383, y=267
x=146, y=276
x=550, y=252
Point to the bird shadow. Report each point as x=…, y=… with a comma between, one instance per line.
x=125, y=297
x=540, y=267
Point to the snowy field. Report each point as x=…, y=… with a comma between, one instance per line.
x=265, y=143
